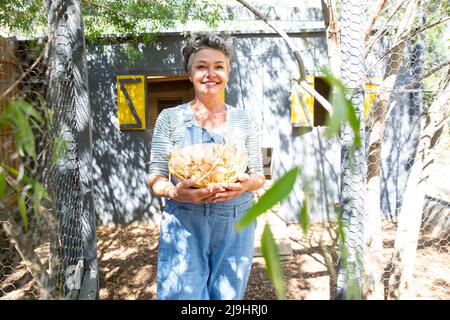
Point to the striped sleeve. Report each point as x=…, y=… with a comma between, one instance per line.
x=253, y=145
x=161, y=145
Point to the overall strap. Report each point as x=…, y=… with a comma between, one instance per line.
x=187, y=115
x=195, y=134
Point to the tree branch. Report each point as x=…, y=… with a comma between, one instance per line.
x=380, y=33
x=410, y=216
x=373, y=17
x=35, y=63
x=403, y=40
x=332, y=29
x=302, y=81
x=436, y=69
x=428, y=74
x=26, y=252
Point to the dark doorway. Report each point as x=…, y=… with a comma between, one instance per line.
x=168, y=103
x=320, y=113
x=165, y=92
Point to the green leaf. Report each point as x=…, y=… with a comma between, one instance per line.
x=59, y=149
x=339, y=116
x=39, y=193
x=18, y=113
x=2, y=186
x=22, y=210
x=29, y=111
x=344, y=111
x=304, y=219
x=279, y=191
x=273, y=266
x=15, y=174
x=353, y=119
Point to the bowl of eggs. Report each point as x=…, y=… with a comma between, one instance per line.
x=208, y=163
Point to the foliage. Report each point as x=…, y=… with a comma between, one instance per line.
x=135, y=18
x=26, y=121
x=22, y=115
x=139, y=21
x=344, y=111
x=273, y=267
x=22, y=17
x=278, y=192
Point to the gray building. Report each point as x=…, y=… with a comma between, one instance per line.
x=261, y=79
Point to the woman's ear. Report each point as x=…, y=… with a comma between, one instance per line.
x=189, y=76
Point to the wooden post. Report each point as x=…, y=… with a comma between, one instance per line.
x=8, y=67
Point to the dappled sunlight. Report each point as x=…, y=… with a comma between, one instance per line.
x=307, y=274
x=127, y=261
x=226, y=288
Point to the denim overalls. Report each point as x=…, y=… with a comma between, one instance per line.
x=201, y=256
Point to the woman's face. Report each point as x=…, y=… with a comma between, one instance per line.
x=209, y=71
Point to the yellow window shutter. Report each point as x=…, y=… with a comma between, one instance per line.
x=371, y=87
x=131, y=101
x=302, y=114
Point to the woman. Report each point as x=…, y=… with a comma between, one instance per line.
x=201, y=256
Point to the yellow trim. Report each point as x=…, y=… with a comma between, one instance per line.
x=370, y=89
x=300, y=118
x=136, y=93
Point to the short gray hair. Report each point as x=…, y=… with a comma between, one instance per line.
x=206, y=40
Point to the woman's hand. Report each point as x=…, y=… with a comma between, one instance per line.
x=183, y=192
x=231, y=190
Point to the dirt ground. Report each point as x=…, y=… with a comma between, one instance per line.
x=127, y=261
x=127, y=258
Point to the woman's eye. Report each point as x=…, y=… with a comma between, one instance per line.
x=219, y=67
x=200, y=67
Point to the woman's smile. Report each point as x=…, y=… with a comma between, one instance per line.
x=210, y=84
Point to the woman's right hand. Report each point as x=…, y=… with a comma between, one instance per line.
x=183, y=192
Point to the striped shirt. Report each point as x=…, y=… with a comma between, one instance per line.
x=240, y=128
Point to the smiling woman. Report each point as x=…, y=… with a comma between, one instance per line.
x=201, y=256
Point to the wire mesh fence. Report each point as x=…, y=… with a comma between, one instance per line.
x=409, y=73
x=32, y=233
x=17, y=240
x=412, y=86
x=44, y=225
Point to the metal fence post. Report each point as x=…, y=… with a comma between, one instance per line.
x=353, y=167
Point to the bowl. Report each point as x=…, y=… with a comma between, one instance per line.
x=208, y=163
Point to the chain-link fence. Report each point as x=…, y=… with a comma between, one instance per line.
x=48, y=230
x=409, y=87
x=25, y=241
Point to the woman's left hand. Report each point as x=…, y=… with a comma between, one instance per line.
x=232, y=190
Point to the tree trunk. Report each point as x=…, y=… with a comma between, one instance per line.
x=68, y=97
x=373, y=18
x=374, y=287
x=332, y=29
x=410, y=216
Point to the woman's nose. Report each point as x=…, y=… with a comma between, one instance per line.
x=210, y=71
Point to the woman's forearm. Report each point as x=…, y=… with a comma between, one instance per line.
x=256, y=181
x=160, y=186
